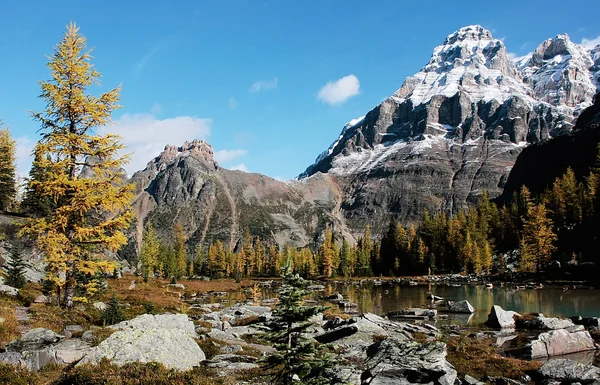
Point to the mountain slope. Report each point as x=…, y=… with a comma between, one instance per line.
x=185, y=185
x=456, y=127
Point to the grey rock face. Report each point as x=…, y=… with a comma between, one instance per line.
x=211, y=203
x=559, y=342
x=34, y=339
x=167, y=339
x=461, y=307
x=399, y=362
x=569, y=371
x=500, y=318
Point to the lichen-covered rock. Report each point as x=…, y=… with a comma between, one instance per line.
x=393, y=361
x=569, y=371
x=34, y=339
x=500, y=318
x=559, y=342
x=167, y=339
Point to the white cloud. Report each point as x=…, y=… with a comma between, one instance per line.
x=263, y=85
x=590, y=43
x=337, y=92
x=233, y=103
x=145, y=136
x=225, y=156
x=241, y=167
x=511, y=55
x=143, y=62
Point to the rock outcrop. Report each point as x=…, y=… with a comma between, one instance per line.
x=570, y=372
x=40, y=347
x=167, y=339
x=463, y=307
x=560, y=342
x=393, y=361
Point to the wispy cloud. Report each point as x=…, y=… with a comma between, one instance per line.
x=145, y=136
x=590, y=43
x=337, y=92
x=233, y=103
x=263, y=85
x=143, y=62
x=224, y=156
x=241, y=167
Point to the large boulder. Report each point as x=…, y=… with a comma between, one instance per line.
x=569, y=371
x=461, y=307
x=559, y=342
x=34, y=339
x=500, y=318
x=394, y=361
x=168, y=339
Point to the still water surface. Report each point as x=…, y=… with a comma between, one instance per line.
x=382, y=299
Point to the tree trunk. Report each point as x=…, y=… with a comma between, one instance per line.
x=69, y=289
x=289, y=335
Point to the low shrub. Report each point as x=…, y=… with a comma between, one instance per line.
x=9, y=328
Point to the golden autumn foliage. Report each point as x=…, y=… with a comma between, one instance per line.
x=81, y=168
x=7, y=169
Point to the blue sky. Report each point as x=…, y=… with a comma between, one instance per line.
x=247, y=75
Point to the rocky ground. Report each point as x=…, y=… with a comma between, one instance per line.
x=367, y=348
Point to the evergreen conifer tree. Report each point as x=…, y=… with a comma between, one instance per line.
x=15, y=275
x=114, y=312
x=296, y=354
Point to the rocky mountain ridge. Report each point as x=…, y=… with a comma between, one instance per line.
x=452, y=130
x=457, y=126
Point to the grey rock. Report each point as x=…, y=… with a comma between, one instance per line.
x=101, y=306
x=72, y=329
x=9, y=290
x=569, y=371
x=461, y=307
x=336, y=334
x=37, y=355
x=166, y=338
x=177, y=286
x=34, y=339
x=413, y=313
x=230, y=349
x=468, y=380
x=544, y=323
x=559, y=342
x=393, y=361
x=500, y=318
x=41, y=299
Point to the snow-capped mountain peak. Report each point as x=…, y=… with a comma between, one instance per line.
x=470, y=60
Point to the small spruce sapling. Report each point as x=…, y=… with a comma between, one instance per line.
x=15, y=275
x=113, y=313
x=296, y=355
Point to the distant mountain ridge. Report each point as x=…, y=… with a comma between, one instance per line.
x=450, y=131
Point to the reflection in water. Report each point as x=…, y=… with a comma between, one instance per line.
x=387, y=297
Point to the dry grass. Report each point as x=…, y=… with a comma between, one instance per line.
x=333, y=312
x=478, y=358
x=55, y=318
x=163, y=297
x=246, y=321
x=29, y=292
x=9, y=328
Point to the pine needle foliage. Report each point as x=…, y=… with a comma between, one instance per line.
x=113, y=313
x=15, y=274
x=296, y=354
x=81, y=171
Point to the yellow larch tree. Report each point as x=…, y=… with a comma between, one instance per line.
x=90, y=196
x=149, y=252
x=8, y=186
